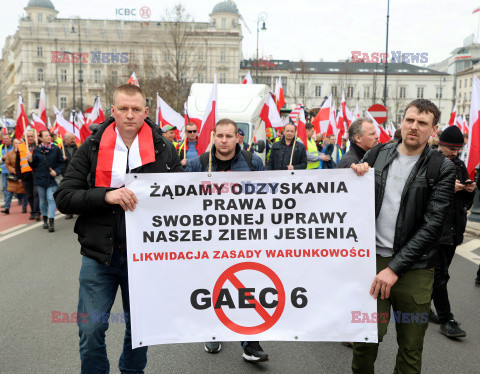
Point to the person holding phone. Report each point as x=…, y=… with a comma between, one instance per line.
x=450, y=144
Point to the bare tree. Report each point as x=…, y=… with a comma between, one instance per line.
x=302, y=83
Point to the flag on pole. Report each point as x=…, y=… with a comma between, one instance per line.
x=322, y=119
x=391, y=129
x=341, y=127
x=347, y=115
x=473, y=157
x=295, y=113
x=82, y=125
x=451, y=122
x=464, y=125
x=301, y=128
x=190, y=119
x=279, y=96
x=95, y=113
x=248, y=78
x=22, y=119
x=38, y=123
x=133, y=80
x=42, y=106
x=383, y=136
x=269, y=114
x=167, y=116
x=209, y=119
x=65, y=126
x=356, y=113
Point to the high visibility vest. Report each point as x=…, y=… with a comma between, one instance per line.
x=58, y=142
x=312, y=148
x=24, y=166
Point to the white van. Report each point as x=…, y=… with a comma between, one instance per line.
x=241, y=103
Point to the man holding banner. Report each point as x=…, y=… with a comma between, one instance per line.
x=413, y=189
x=226, y=155
x=93, y=188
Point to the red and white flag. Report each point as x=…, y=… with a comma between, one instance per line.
x=341, y=127
x=356, y=112
x=190, y=119
x=347, y=114
x=209, y=119
x=464, y=125
x=391, y=129
x=65, y=126
x=269, y=114
x=451, y=121
x=322, y=119
x=22, y=119
x=459, y=123
x=82, y=125
x=383, y=136
x=248, y=79
x=167, y=116
x=473, y=157
x=113, y=155
x=95, y=113
x=42, y=106
x=279, y=96
x=295, y=113
x=133, y=80
x=38, y=123
x=301, y=128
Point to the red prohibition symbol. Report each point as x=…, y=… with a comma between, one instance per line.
x=270, y=320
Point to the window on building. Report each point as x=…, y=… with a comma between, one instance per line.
x=465, y=82
x=419, y=92
x=459, y=83
x=366, y=92
x=96, y=76
x=464, y=96
x=39, y=51
x=350, y=91
x=403, y=92
x=166, y=56
x=223, y=78
x=200, y=55
x=318, y=91
x=40, y=76
x=334, y=91
x=222, y=55
x=40, y=17
x=200, y=77
x=37, y=99
x=63, y=75
x=114, y=76
x=224, y=23
x=438, y=93
x=301, y=89
x=63, y=102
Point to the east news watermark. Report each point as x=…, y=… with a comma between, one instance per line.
x=394, y=57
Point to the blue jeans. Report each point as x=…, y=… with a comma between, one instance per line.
x=98, y=288
x=8, y=195
x=47, y=202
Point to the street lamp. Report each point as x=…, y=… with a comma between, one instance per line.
x=262, y=17
x=73, y=76
x=80, y=78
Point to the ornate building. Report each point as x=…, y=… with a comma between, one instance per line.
x=83, y=58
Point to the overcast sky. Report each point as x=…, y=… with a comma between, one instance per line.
x=308, y=29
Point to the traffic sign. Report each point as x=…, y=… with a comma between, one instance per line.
x=270, y=319
x=378, y=112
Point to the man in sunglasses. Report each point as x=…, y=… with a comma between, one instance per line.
x=190, y=150
x=450, y=144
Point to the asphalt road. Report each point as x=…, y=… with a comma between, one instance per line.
x=39, y=274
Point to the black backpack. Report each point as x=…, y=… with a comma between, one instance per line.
x=433, y=167
x=248, y=157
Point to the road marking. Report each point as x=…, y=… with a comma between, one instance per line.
x=466, y=251
x=25, y=229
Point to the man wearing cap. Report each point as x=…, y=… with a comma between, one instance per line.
x=169, y=133
x=240, y=140
x=450, y=143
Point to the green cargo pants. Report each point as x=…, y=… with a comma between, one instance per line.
x=410, y=301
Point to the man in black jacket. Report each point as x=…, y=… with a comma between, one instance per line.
x=282, y=151
x=93, y=187
x=450, y=143
x=413, y=189
x=363, y=137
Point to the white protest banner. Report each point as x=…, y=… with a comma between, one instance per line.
x=252, y=256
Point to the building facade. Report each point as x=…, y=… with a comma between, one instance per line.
x=363, y=83
x=83, y=58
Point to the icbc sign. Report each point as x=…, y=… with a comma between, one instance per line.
x=248, y=298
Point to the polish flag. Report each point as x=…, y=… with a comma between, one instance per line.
x=190, y=119
x=473, y=157
x=65, y=126
x=356, y=112
x=38, y=123
x=332, y=122
x=167, y=116
x=133, y=80
x=209, y=120
x=342, y=128
x=279, y=97
x=42, y=106
x=383, y=136
x=269, y=114
x=459, y=123
x=95, y=113
x=347, y=114
x=248, y=79
x=301, y=128
x=464, y=125
x=321, y=120
x=82, y=125
x=114, y=156
x=451, y=122
x=22, y=119
x=391, y=129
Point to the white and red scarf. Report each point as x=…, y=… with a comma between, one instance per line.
x=113, y=155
